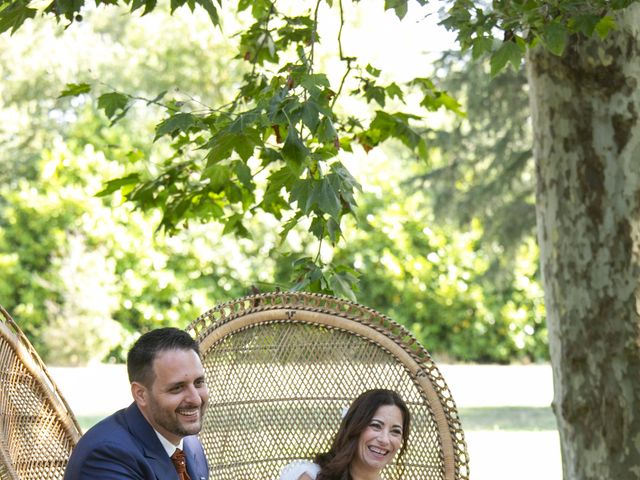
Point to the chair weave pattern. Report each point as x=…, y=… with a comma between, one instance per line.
x=37, y=428
x=282, y=367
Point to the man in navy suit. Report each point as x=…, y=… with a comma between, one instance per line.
x=142, y=441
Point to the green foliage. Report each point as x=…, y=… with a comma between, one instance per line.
x=82, y=274
x=81, y=326
x=555, y=37
x=435, y=98
x=507, y=53
x=284, y=124
x=285, y=115
x=483, y=174
x=482, y=164
x=14, y=14
x=438, y=282
x=525, y=23
x=262, y=150
x=74, y=90
x=114, y=104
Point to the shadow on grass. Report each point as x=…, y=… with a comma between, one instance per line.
x=526, y=419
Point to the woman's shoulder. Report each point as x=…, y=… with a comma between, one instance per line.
x=297, y=468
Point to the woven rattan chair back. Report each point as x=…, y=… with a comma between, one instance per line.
x=282, y=367
x=37, y=428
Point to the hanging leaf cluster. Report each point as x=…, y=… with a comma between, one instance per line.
x=275, y=146
x=504, y=29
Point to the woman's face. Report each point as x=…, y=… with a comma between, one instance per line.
x=381, y=440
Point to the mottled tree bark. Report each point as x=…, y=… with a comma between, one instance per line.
x=586, y=107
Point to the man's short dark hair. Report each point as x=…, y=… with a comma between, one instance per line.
x=144, y=351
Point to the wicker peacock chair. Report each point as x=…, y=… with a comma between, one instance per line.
x=37, y=428
x=281, y=368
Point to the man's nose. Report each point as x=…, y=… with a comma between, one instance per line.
x=193, y=395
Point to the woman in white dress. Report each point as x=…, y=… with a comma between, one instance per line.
x=373, y=431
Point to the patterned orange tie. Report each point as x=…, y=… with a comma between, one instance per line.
x=181, y=467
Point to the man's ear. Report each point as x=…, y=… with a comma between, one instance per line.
x=139, y=393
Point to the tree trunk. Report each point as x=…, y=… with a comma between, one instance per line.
x=585, y=108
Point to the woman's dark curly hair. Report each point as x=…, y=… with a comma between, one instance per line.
x=334, y=464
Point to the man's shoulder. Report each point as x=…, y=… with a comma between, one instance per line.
x=106, y=450
x=113, y=429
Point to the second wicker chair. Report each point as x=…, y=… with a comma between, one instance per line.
x=281, y=368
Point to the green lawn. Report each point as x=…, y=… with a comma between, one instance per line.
x=524, y=419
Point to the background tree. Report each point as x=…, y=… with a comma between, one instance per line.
x=586, y=195
x=483, y=165
x=104, y=275
x=585, y=107
x=481, y=171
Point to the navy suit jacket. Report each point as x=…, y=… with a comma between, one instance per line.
x=125, y=446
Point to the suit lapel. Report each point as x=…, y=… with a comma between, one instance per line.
x=148, y=440
x=196, y=462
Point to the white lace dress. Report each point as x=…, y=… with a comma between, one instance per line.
x=295, y=469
